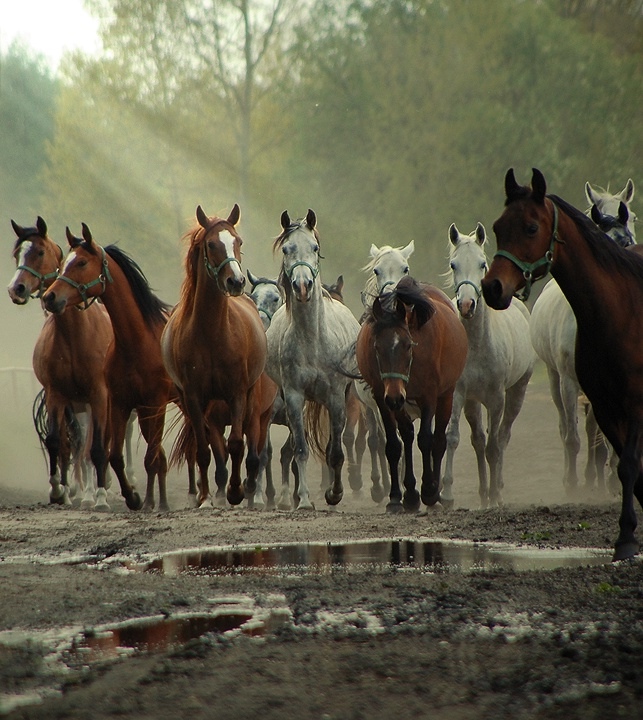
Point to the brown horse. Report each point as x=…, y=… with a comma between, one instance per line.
x=134, y=371
x=214, y=348
x=66, y=343
x=604, y=286
x=411, y=350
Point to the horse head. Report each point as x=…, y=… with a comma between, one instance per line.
x=38, y=260
x=387, y=265
x=299, y=243
x=526, y=233
x=222, y=250
x=610, y=204
x=468, y=263
x=83, y=277
x=616, y=228
x=267, y=296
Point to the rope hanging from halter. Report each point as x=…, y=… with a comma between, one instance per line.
x=528, y=269
x=82, y=288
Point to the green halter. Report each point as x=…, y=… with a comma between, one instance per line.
x=82, y=288
x=41, y=277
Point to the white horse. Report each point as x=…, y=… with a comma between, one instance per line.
x=311, y=345
x=498, y=368
x=553, y=335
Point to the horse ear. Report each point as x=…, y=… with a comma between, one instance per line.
x=233, y=218
x=202, y=217
x=311, y=219
x=340, y=284
x=623, y=213
x=511, y=186
x=408, y=250
x=538, y=186
x=453, y=233
x=374, y=250
x=592, y=197
x=627, y=193
x=71, y=239
x=285, y=220
x=481, y=234
x=252, y=278
x=42, y=226
x=16, y=228
x=595, y=214
x=87, y=234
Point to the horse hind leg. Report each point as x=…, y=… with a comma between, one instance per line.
x=473, y=414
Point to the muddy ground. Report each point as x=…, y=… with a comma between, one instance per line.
x=340, y=642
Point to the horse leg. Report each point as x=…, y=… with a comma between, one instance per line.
x=235, y=493
x=349, y=437
x=411, y=497
x=443, y=414
x=453, y=440
x=565, y=396
x=55, y=419
x=129, y=455
x=478, y=437
x=286, y=459
x=597, y=452
x=374, y=445
x=335, y=456
x=295, y=413
x=393, y=454
x=152, y=424
x=256, y=434
x=629, y=474
x=495, y=410
x=118, y=421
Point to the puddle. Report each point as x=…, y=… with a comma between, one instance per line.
x=419, y=555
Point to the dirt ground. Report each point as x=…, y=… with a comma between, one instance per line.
x=365, y=642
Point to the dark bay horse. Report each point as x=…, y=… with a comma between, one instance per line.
x=214, y=348
x=411, y=350
x=69, y=355
x=136, y=377
x=603, y=283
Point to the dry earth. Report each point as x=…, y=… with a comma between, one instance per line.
x=376, y=641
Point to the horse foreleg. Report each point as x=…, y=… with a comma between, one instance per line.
x=393, y=454
x=495, y=409
x=52, y=443
x=376, y=449
x=295, y=414
x=129, y=454
x=453, y=440
x=235, y=493
x=629, y=472
x=152, y=424
x=478, y=437
x=335, y=456
x=118, y=421
x=350, y=436
x=443, y=413
x=411, y=498
x=286, y=460
x=565, y=395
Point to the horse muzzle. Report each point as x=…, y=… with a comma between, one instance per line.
x=302, y=290
x=497, y=295
x=395, y=399
x=19, y=294
x=54, y=304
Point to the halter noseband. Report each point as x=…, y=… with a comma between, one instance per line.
x=473, y=285
x=313, y=270
x=82, y=288
x=214, y=270
x=529, y=268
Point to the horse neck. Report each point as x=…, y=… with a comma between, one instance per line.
x=209, y=303
x=477, y=327
x=587, y=287
x=310, y=315
x=130, y=328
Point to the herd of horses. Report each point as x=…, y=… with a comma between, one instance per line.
x=289, y=351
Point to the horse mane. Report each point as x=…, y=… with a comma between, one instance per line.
x=411, y=293
x=153, y=309
x=606, y=252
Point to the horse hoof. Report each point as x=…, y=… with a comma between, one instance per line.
x=625, y=550
x=411, y=501
x=447, y=504
x=431, y=498
x=133, y=502
x=270, y=505
x=394, y=507
x=164, y=507
x=219, y=499
x=333, y=498
x=235, y=496
x=101, y=504
x=192, y=501
x=87, y=505
x=306, y=506
x=377, y=495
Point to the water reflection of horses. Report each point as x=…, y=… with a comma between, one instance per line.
x=135, y=375
x=553, y=334
x=604, y=286
x=309, y=342
x=411, y=350
x=214, y=348
x=67, y=343
x=498, y=369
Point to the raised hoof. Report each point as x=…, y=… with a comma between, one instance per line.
x=134, y=501
x=57, y=499
x=625, y=550
x=394, y=507
x=377, y=494
x=333, y=498
x=354, y=478
x=235, y=495
x=431, y=498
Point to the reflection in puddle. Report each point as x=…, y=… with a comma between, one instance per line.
x=374, y=555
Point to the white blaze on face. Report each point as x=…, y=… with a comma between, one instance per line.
x=68, y=260
x=227, y=238
x=24, y=249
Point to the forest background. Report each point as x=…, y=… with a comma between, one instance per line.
x=391, y=119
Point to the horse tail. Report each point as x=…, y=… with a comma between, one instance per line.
x=317, y=427
x=184, y=446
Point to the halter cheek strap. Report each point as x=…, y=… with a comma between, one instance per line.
x=528, y=269
x=214, y=270
x=82, y=288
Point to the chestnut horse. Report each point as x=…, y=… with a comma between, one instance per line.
x=66, y=343
x=603, y=283
x=411, y=350
x=136, y=378
x=214, y=348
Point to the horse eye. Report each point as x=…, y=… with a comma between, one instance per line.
x=41, y=253
x=483, y=266
x=532, y=229
x=452, y=266
x=406, y=270
x=376, y=271
x=316, y=248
